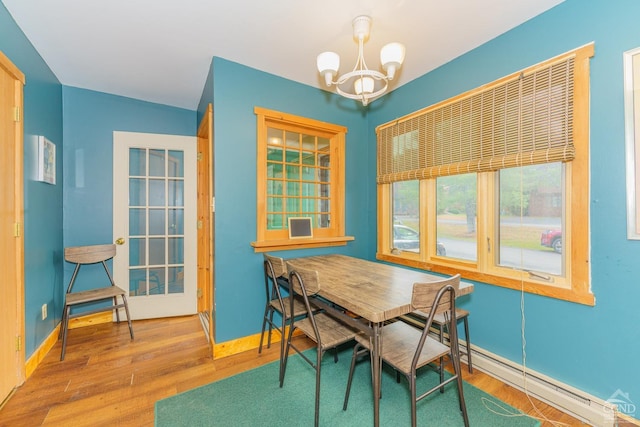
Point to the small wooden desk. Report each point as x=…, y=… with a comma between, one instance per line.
x=372, y=290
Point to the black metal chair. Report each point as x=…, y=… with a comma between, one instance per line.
x=274, y=270
x=84, y=255
x=321, y=327
x=406, y=348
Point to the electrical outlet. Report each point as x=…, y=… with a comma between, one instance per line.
x=44, y=311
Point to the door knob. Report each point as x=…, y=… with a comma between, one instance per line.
x=120, y=241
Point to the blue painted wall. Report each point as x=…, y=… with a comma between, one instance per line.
x=238, y=274
x=595, y=349
x=42, y=202
x=90, y=118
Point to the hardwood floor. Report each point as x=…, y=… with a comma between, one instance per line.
x=106, y=379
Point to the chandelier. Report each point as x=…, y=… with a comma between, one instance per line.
x=361, y=83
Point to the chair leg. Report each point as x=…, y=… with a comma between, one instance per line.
x=65, y=330
x=126, y=311
x=412, y=390
x=318, y=370
x=286, y=355
x=115, y=302
x=455, y=355
x=468, y=341
x=356, y=350
x=264, y=325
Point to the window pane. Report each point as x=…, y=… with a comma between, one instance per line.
x=176, y=163
x=156, y=251
x=176, y=221
x=456, y=216
x=530, y=224
x=137, y=221
x=156, y=192
x=406, y=219
x=137, y=161
x=137, y=192
x=156, y=162
x=157, y=222
x=156, y=281
x=176, y=280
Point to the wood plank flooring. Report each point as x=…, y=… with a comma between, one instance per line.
x=108, y=380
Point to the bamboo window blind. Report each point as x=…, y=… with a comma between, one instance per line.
x=524, y=119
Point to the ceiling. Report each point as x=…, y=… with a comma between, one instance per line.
x=161, y=50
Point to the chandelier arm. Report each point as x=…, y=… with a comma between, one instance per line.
x=360, y=97
x=377, y=75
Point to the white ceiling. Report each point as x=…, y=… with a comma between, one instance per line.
x=160, y=50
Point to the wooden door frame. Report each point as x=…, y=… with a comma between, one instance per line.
x=18, y=188
x=206, y=215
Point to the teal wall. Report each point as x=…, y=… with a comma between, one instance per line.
x=42, y=202
x=238, y=274
x=595, y=349
x=90, y=118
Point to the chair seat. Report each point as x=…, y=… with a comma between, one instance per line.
x=94, y=295
x=399, y=343
x=332, y=332
x=298, y=307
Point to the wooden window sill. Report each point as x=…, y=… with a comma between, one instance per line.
x=289, y=244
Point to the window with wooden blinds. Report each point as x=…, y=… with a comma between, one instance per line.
x=522, y=120
x=493, y=179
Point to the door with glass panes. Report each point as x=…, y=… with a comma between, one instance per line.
x=154, y=222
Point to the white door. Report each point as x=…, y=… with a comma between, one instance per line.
x=154, y=222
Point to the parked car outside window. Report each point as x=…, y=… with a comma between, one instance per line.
x=552, y=239
x=407, y=239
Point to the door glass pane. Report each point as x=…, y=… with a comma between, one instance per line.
x=157, y=224
x=176, y=250
x=137, y=251
x=156, y=251
x=156, y=192
x=176, y=193
x=456, y=216
x=176, y=221
x=156, y=281
x=176, y=164
x=137, y=281
x=531, y=218
x=156, y=163
x=137, y=161
x=137, y=192
x=406, y=219
x=176, y=280
x=137, y=221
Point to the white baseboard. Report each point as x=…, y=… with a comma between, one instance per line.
x=570, y=400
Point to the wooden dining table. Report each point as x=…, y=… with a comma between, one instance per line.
x=374, y=291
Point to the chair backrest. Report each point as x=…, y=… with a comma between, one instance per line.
x=305, y=283
x=274, y=268
x=433, y=298
x=93, y=254
x=424, y=294
x=89, y=254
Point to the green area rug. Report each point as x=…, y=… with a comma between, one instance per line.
x=254, y=398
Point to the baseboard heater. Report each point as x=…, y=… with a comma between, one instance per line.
x=575, y=402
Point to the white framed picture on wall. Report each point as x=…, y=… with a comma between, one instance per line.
x=46, y=161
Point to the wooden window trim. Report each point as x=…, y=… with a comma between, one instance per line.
x=576, y=287
x=270, y=240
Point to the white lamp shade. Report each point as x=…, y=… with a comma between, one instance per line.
x=363, y=84
x=328, y=61
x=392, y=57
